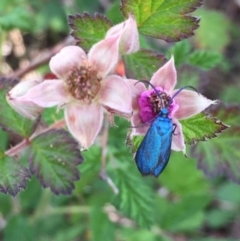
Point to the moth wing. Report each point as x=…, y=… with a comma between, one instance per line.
x=148, y=153
x=165, y=152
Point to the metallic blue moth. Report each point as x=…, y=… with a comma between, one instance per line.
x=154, y=152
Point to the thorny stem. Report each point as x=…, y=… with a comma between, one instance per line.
x=103, y=174
x=24, y=143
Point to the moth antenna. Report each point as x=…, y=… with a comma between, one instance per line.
x=184, y=87
x=156, y=91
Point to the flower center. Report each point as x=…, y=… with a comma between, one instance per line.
x=84, y=84
x=157, y=103
x=150, y=104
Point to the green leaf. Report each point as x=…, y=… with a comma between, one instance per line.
x=63, y=233
x=50, y=16
x=114, y=13
x=201, y=127
x=131, y=234
x=54, y=159
x=13, y=176
x=182, y=178
x=205, y=59
x=10, y=120
x=185, y=215
x=134, y=142
x=46, y=227
x=180, y=51
x=101, y=227
x=16, y=17
x=218, y=218
x=229, y=192
x=31, y=196
x=87, y=29
x=220, y=156
x=164, y=19
x=23, y=231
x=90, y=168
x=135, y=199
x=6, y=205
x=143, y=64
x=4, y=139
x=92, y=163
x=51, y=115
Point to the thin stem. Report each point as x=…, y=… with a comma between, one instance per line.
x=56, y=125
x=103, y=173
x=47, y=210
x=110, y=182
x=16, y=149
x=104, y=143
x=68, y=210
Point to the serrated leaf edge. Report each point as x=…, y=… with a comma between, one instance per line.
x=183, y=14
x=85, y=15
x=76, y=175
x=25, y=175
x=222, y=127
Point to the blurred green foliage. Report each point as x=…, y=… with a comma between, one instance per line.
x=210, y=36
x=181, y=203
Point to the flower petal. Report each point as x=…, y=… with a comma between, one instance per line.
x=136, y=90
x=178, y=138
x=116, y=94
x=24, y=108
x=84, y=122
x=166, y=76
x=138, y=127
x=190, y=103
x=68, y=58
x=129, y=42
x=104, y=55
x=22, y=88
x=47, y=94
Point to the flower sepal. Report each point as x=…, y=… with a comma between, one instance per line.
x=25, y=108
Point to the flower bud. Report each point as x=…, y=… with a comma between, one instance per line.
x=24, y=108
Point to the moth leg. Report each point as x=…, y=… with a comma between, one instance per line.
x=174, y=128
x=149, y=121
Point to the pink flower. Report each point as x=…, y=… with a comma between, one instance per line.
x=85, y=86
x=146, y=104
x=129, y=42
